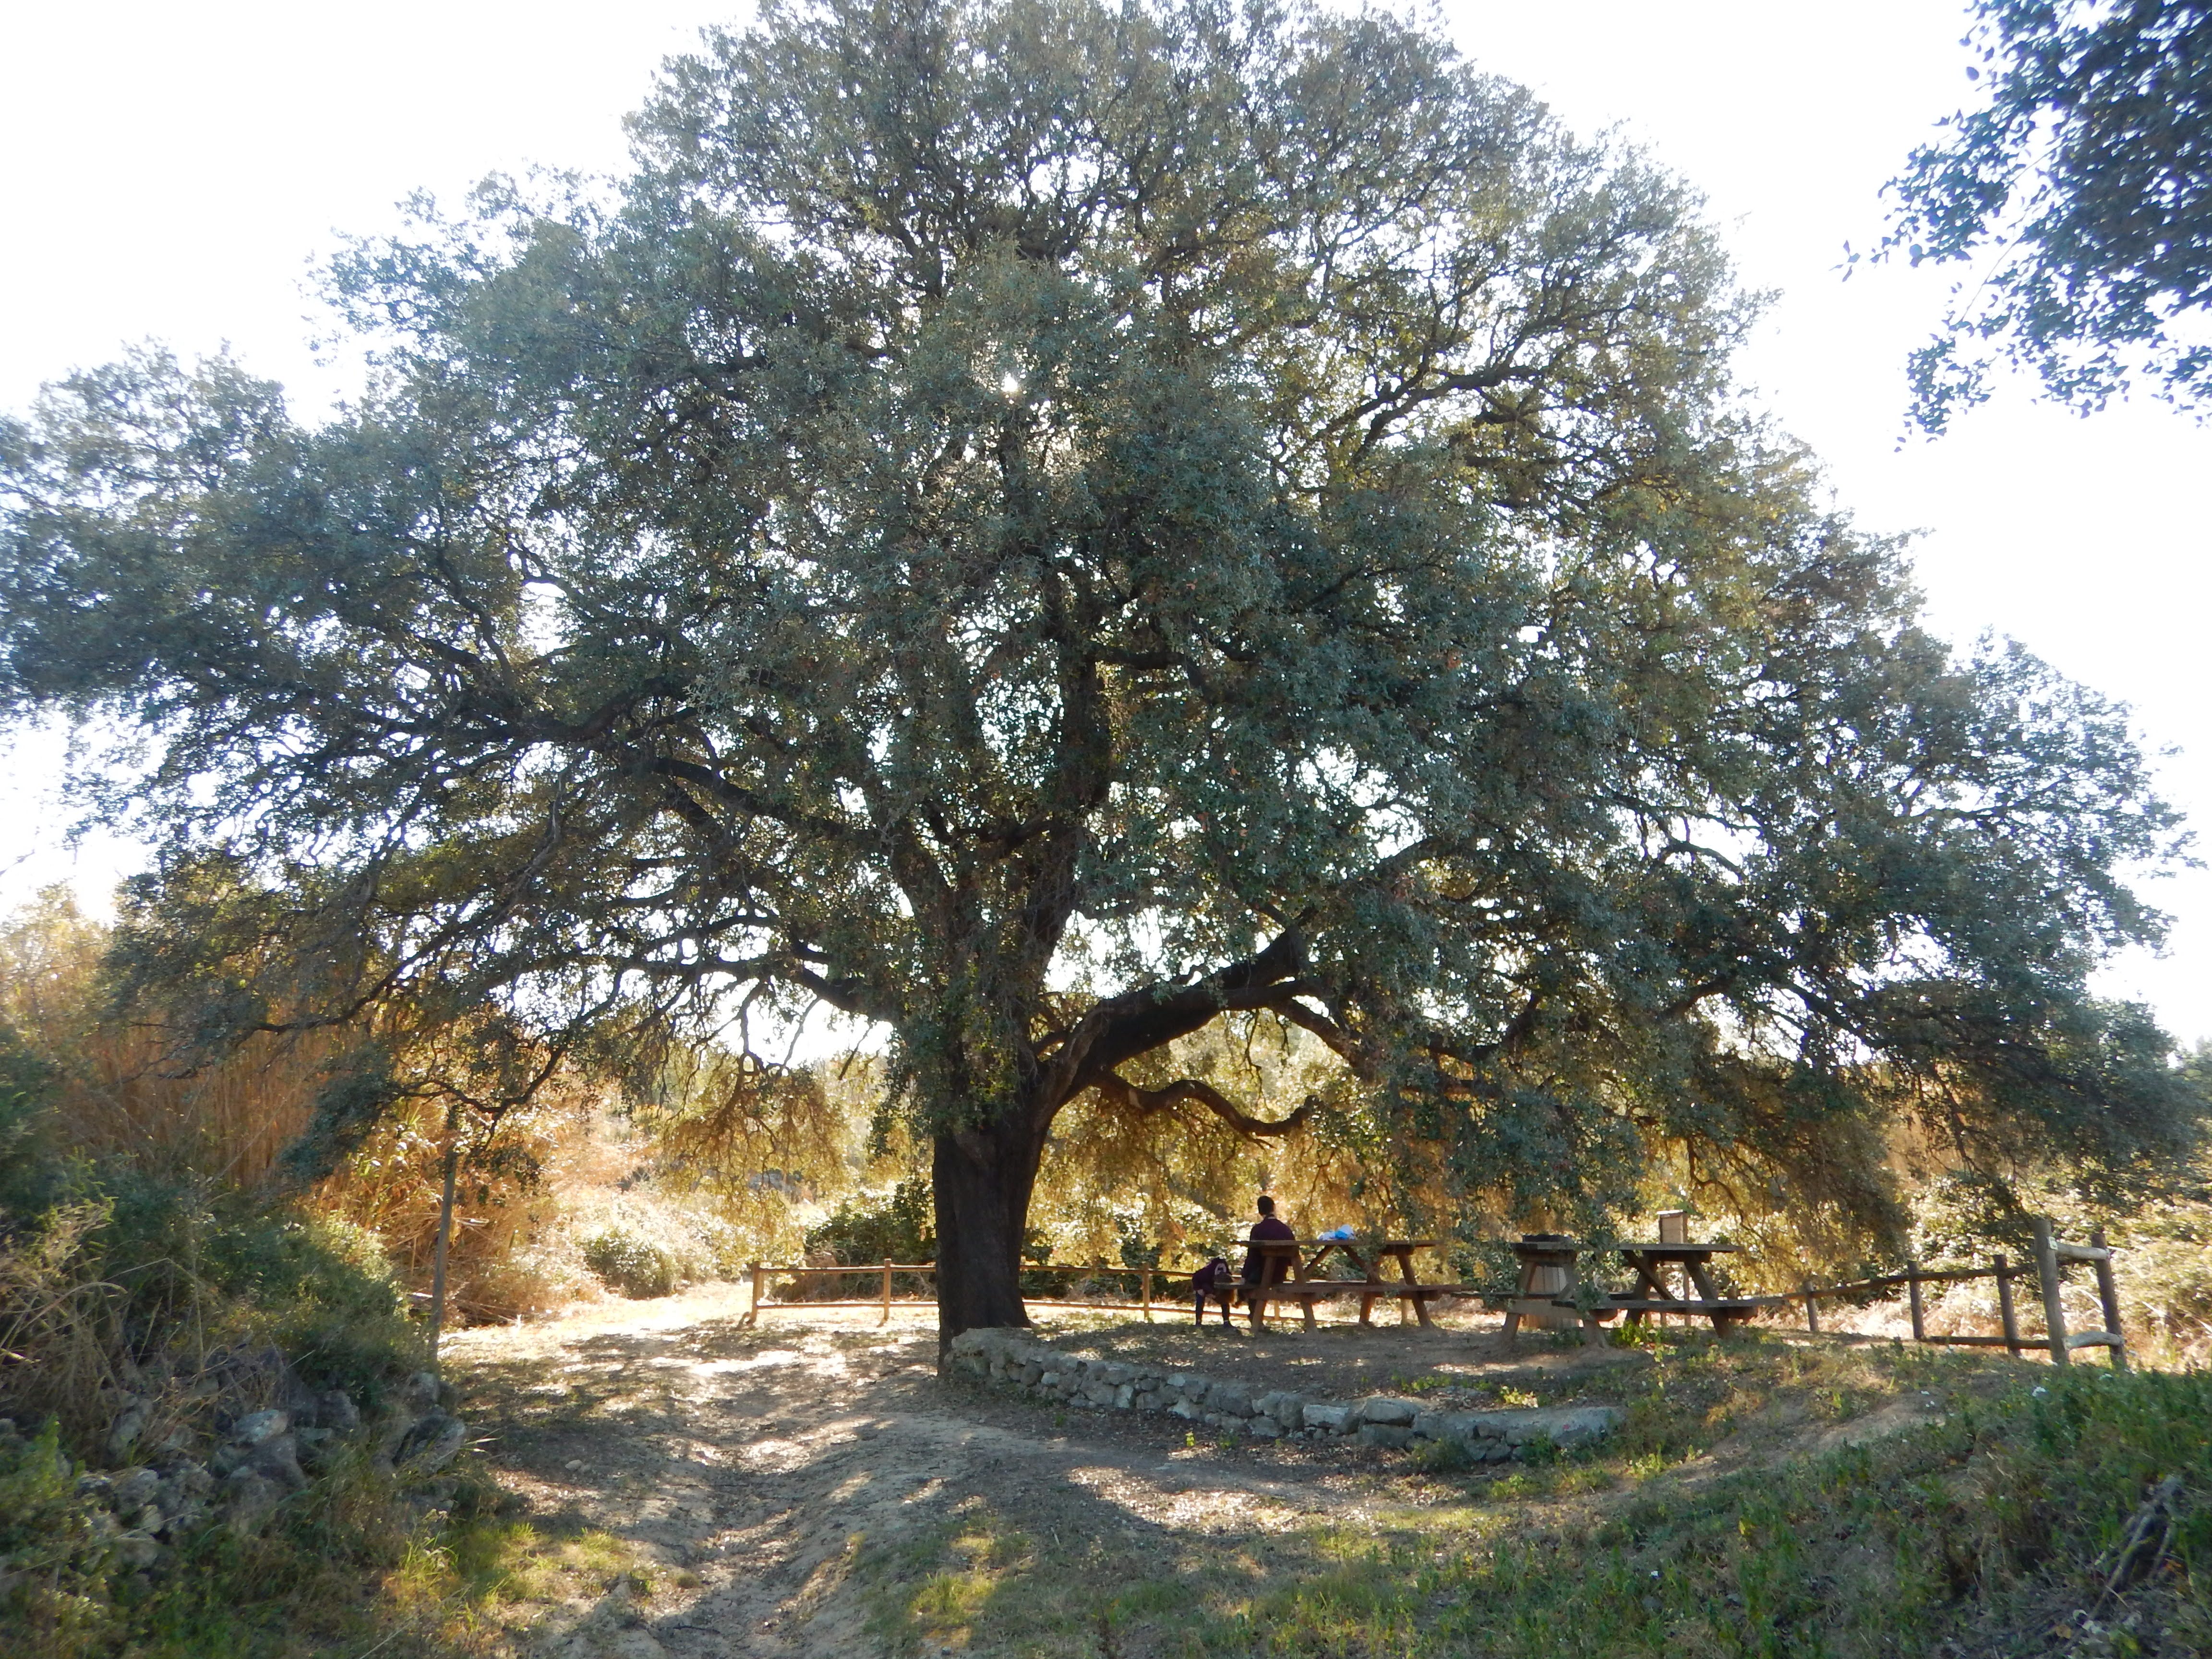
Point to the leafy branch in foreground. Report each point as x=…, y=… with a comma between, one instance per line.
x=2084, y=187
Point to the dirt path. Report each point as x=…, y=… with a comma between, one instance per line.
x=750, y=1465
x=758, y=1478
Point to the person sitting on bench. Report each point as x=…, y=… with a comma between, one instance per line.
x=1262, y=1268
x=1212, y=1281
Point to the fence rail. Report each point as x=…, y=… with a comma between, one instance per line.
x=2052, y=1257
x=761, y=1274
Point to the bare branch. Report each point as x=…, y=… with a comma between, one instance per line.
x=1146, y=1102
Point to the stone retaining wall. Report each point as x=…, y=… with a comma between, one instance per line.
x=1012, y=1360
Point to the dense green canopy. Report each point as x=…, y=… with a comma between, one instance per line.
x=1039, y=525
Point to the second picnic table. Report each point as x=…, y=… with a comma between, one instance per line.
x=1653, y=1294
x=1367, y=1256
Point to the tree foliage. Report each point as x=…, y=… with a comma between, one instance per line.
x=2084, y=185
x=1043, y=527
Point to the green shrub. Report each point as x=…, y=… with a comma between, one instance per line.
x=57, y=1567
x=109, y=1271
x=900, y=1226
x=634, y=1266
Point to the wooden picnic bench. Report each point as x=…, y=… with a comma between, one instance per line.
x=1294, y=1280
x=1654, y=1294
x=1548, y=1278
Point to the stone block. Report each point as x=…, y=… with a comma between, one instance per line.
x=279, y=1459
x=1125, y=1396
x=1393, y=1436
x=1330, y=1419
x=1383, y=1409
x=1285, y=1408
x=1264, y=1428
x=1186, y=1410
x=1465, y=1427
x=1230, y=1398
x=186, y=1479
x=247, y=1497
x=258, y=1426
x=134, y=1491
x=130, y=1423
x=338, y=1412
x=1048, y=1379
x=1577, y=1424
x=433, y=1441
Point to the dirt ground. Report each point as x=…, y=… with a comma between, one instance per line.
x=750, y=1471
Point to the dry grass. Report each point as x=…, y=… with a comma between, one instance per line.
x=528, y=1207
x=57, y=1326
x=120, y=1089
x=555, y=1174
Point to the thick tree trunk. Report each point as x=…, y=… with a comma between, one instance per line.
x=982, y=1178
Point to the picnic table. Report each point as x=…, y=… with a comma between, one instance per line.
x=1294, y=1280
x=1655, y=1294
x=1367, y=1256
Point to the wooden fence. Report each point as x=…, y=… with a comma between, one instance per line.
x=883, y=1271
x=2053, y=1256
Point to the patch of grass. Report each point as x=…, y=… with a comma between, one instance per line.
x=482, y=1578
x=1419, y=1385
x=1440, y=1457
x=1983, y=1527
x=934, y=1588
x=628, y=1262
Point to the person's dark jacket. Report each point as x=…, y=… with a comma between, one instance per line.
x=1268, y=1227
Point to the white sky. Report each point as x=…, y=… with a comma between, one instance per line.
x=171, y=170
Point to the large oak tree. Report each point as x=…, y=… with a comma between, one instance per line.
x=1041, y=525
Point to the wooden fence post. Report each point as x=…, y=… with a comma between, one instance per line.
x=1812, y=1310
x=1144, y=1291
x=886, y=1318
x=753, y=1314
x=2005, y=1308
x=1913, y=1292
x=2054, y=1314
x=2108, y=1292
